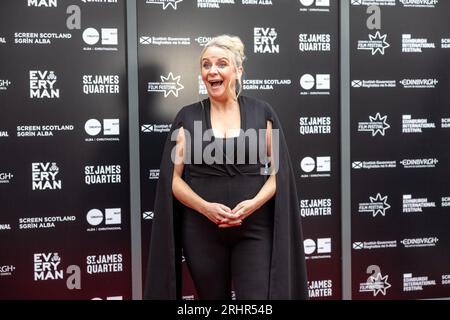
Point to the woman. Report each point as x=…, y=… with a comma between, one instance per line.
x=235, y=217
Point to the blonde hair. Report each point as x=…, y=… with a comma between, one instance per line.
x=235, y=46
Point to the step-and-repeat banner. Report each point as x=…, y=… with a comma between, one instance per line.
x=64, y=187
x=400, y=128
x=293, y=63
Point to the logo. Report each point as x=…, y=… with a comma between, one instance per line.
x=315, y=125
x=319, y=165
x=43, y=222
x=167, y=41
x=100, y=84
x=411, y=283
x=419, y=3
x=376, y=125
x=373, y=164
x=377, y=205
x=416, y=205
x=445, y=279
x=106, y=36
x=420, y=242
x=415, y=45
x=369, y=84
x=46, y=266
x=153, y=174
x=319, y=82
x=445, y=202
x=419, y=163
x=213, y=4
x=315, y=42
x=263, y=84
x=43, y=3
x=202, y=40
x=323, y=245
x=112, y=216
x=376, y=43
x=42, y=84
x=6, y=177
x=419, y=83
x=44, y=176
x=315, y=5
x=410, y=125
x=100, y=1
x=4, y=84
x=102, y=174
x=373, y=2
x=5, y=226
x=110, y=127
x=104, y=263
x=158, y=128
x=320, y=288
x=39, y=38
x=165, y=3
x=445, y=43
x=376, y=283
x=264, y=40
x=6, y=270
x=370, y=245
x=148, y=215
x=42, y=130
x=168, y=85
x=315, y=207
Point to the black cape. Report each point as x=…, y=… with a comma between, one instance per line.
x=288, y=268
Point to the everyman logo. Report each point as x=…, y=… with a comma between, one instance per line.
x=43, y=3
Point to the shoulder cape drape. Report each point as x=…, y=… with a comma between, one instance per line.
x=288, y=268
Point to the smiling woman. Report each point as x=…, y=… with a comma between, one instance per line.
x=236, y=219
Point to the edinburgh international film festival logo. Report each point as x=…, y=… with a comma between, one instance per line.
x=165, y=3
x=376, y=125
x=376, y=43
x=376, y=283
x=168, y=85
x=44, y=176
x=43, y=84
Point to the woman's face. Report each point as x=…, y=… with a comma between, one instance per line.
x=219, y=73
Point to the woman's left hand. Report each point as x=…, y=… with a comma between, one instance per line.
x=240, y=212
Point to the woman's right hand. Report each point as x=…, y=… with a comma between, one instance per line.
x=217, y=212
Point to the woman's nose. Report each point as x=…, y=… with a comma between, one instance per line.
x=213, y=69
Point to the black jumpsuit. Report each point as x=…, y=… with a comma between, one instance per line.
x=219, y=258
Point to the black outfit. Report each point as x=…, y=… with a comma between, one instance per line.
x=264, y=257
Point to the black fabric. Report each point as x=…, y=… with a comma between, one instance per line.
x=215, y=256
x=287, y=267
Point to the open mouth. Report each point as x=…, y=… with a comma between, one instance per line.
x=215, y=83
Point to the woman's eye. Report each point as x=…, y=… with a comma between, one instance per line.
x=206, y=65
x=222, y=65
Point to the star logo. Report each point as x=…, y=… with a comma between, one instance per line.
x=173, y=83
x=380, y=203
x=376, y=43
x=168, y=85
x=378, y=284
x=165, y=3
x=381, y=124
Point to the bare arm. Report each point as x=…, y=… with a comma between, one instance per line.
x=215, y=212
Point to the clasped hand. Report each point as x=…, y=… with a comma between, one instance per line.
x=225, y=217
